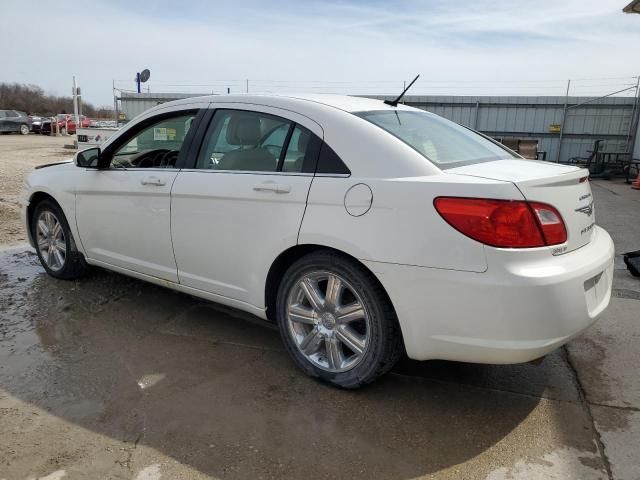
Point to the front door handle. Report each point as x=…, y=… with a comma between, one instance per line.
x=272, y=187
x=153, y=181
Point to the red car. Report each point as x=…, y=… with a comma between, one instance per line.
x=66, y=124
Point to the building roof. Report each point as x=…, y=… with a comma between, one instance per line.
x=633, y=7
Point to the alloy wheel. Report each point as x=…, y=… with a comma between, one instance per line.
x=328, y=321
x=51, y=241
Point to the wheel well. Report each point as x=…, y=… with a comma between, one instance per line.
x=35, y=199
x=286, y=259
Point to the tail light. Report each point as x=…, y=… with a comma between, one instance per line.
x=503, y=223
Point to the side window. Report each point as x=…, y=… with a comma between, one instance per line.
x=330, y=163
x=300, y=151
x=155, y=146
x=244, y=141
x=12, y=114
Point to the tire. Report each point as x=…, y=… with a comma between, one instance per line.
x=337, y=341
x=24, y=129
x=69, y=262
x=63, y=131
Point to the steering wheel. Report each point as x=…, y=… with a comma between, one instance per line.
x=169, y=159
x=151, y=159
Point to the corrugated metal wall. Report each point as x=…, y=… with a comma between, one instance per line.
x=133, y=104
x=608, y=119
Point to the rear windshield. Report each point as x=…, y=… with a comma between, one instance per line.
x=441, y=141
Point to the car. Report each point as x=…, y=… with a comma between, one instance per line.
x=14, y=121
x=66, y=124
x=36, y=122
x=364, y=230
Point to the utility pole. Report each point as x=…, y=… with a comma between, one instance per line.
x=247, y=85
x=564, y=117
x=75, y=103
x=633, y=141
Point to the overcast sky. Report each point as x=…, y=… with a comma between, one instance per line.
x=479, y=47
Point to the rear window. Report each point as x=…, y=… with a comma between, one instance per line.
x=441, y=141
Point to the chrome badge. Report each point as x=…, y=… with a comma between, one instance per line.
x=587, y=209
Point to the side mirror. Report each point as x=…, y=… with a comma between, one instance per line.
x=88, y=158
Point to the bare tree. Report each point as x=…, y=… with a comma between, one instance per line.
x=33, y=100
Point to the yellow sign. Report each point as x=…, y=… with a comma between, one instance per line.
x=555, y=128
x=122, y=116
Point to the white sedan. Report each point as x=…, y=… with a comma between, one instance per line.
x=364, y=230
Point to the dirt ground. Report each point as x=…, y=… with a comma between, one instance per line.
x=108, y=377
x=18, y=155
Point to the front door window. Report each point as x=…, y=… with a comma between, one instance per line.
x=156, y=146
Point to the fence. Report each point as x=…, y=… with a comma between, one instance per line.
x=564, y=126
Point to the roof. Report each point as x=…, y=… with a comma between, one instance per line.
x=341, y=102
x=633, y=7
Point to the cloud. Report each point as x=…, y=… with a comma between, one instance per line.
x=346, y=46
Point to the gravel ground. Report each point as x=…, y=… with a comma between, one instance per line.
x=108, y=377
x=18, y=155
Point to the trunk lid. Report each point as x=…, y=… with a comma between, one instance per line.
x=564, y=187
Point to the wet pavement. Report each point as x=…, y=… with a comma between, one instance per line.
x=110, y=377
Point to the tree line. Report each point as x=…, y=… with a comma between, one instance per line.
x=34, y=101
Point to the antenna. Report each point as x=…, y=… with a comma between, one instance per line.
x=394, y=103
x=142, y=77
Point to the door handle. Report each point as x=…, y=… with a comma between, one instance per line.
x=153, y=181
x=272, y=187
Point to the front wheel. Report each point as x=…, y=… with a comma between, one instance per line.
x=24, y=129
x=336, y=321
x=54, y=242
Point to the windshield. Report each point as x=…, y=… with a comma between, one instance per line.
x=441, y=141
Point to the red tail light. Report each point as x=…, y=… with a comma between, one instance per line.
x=503, y=223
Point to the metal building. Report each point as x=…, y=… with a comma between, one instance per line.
x=564, y=127
x=611, y=119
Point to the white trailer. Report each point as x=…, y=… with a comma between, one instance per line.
x=93, y=137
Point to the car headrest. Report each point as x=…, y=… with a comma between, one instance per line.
x=243, y=130
x=303, y=141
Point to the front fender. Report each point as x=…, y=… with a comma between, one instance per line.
x=58, y=182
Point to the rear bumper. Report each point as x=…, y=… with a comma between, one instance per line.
x=521, y=308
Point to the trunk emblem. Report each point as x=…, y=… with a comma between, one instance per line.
x=587, y=209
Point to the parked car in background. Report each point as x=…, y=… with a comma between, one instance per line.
x=36, y=122
x=66, y=124
x=14, y=121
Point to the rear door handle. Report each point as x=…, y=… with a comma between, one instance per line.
x=153, y=181
x=272, y=187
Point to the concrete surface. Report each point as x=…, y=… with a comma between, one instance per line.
x=109, y=377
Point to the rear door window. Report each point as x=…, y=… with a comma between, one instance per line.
x=246, y=141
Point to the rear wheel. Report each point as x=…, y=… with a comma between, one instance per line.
x=24, y=129
x=336, y=321
x=54, y=242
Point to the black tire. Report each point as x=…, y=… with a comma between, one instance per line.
x=74, y=265
x=385, y=344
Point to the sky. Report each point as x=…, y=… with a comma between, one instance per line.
x=482, y=47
